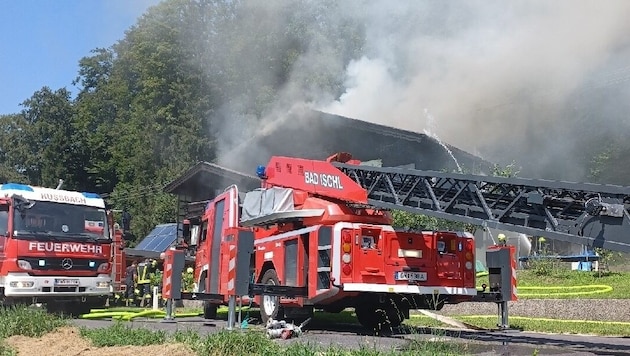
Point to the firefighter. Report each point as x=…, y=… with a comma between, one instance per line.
x=131, y=275
x=502, y=239
x=144, y=281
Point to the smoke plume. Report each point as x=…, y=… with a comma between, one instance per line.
x=537, y=82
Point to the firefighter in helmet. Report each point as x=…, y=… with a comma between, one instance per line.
x=502, y=239
x=131, y=276
x=144, y=281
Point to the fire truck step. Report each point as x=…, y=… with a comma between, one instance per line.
x=283, y=291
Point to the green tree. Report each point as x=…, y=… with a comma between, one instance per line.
x=12, y=149
x=49, y=148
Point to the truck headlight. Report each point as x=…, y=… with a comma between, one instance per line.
x=102, y=284
x=21, y=284
x=24, y=264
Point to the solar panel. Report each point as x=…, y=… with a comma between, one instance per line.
x=159, y=239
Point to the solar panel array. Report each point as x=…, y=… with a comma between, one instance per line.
x=159, y=239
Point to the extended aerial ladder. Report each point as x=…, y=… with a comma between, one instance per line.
x=595, y=215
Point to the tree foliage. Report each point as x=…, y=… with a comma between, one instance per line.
x=159, y=100
x=154, y=103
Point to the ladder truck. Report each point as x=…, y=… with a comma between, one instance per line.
x=318, y=234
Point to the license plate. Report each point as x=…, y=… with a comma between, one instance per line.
x=66, y=282
x=411, y=276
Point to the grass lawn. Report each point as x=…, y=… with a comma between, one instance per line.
x=586, y=285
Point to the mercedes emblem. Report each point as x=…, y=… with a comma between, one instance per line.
x=66, y=263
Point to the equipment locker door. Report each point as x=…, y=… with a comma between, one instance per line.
x=225, y=216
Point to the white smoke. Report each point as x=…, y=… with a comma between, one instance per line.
x=527, y=81
x=497, y=75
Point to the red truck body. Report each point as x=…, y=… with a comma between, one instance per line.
x=313, y=228
x=55, y=247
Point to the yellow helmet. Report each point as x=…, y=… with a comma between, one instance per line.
x=502, y=237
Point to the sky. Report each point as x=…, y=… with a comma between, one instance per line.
x=42, y=41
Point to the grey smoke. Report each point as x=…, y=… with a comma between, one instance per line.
x=536, y=82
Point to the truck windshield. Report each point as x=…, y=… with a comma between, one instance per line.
x=59, y=220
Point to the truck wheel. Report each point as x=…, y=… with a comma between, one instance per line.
x=370, y=316
x=395, y=316
x=209, y=310
x=82, y=308
x=270, y=305
x=379, y=318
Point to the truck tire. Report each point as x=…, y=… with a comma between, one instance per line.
x=395, y=316
x=369, y=316
x=378, y=318
x=209, y=310
x=270, y=305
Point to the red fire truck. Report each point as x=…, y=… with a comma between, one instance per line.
x=55, y=248
x=315, y=234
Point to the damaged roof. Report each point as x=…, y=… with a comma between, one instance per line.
x=317, y=135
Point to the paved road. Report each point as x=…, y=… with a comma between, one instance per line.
x=479, y=342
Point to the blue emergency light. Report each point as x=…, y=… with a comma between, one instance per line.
x=91, y=195
x=260, y=172
x=17, y=186
x=92, y=264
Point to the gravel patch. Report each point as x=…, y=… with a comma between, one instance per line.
x=571, y=309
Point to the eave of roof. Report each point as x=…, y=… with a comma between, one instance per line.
x=213, y=169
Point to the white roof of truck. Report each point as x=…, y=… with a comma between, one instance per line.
x=53, y=195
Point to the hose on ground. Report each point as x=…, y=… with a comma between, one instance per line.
x=575, y=290
x=129, y=314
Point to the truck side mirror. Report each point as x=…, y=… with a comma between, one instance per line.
x=186, y=230
x=126, y=221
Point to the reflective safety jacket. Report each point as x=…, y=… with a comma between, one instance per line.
x=143, y=274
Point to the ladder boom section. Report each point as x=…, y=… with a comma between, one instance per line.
x=316, y=177
x=584, y=213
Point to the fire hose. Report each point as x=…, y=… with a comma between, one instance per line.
x=585, y=289
x=578, y=290
x=130, y=314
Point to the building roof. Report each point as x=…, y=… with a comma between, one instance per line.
x=317, y=135
x=204, y=179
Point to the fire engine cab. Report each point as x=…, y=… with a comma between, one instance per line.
x=55, y=248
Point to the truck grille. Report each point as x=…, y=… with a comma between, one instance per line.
x=63, y=263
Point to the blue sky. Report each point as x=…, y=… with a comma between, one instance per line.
x=42, y=41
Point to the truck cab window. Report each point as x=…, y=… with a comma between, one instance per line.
x=4, y=219
x=367, y=242
x=204, y=231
